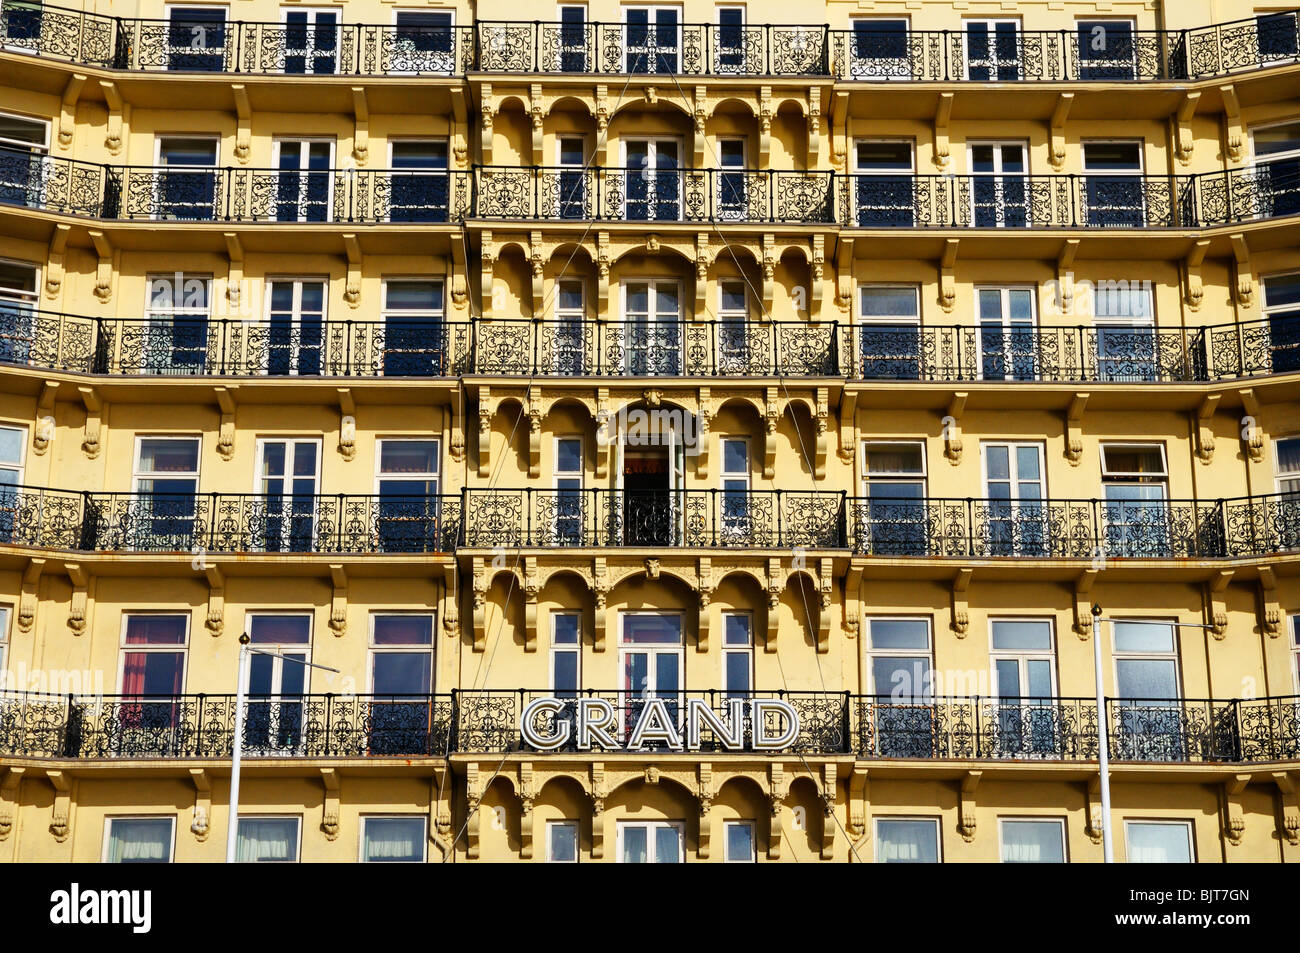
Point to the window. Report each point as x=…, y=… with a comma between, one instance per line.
x=304, y=188
x=1159, y=842
x=268, y=840
x=401, y=682
x=1149, y=719
x=1107, y=50
x=166, y=482
x=23, y=145
x=420, y=186
x=1008, y=339
x=730, y=56
x=1281, y=309
x=1124, y=317
x=1114, y=190
x=1136, y=512
x=572, y=46
x=650, y=656
x=568, y=348
x=196, y=39
x=6, y=612
x=392, y=839
x=139, y=840
x=654, y=180
x=883, y=183
x=732, y=182
x=1276, y=37
x=311, y=39
x=21, y=329
x=424, y=41
x=175, y=339
x=408, y=517
x=652, y=316
x=571, y=179
x=652, y=39
x=650, y=842
x=907, y=840
x=1288, y=466
x=277, y=683
x=1295, y=646
x=13, y=450
x=1032, y=841
x=738, y=842
x=737, y=654
x=736, y=354
x=1277, y=168
x=20, y=26
x=153, y=654
x=900, y=683
x=993, y=49
x=570, y=523
x=414, y=342
x=881, y=49
x=735, y=521
x=1016, y=523
x=1023, y=654
x=562, y=842
x=889, y=332
x=288, y=477
x=185, y=182
x=566, y=654
x=999, y=187
x=295, y=315
x=895, y=512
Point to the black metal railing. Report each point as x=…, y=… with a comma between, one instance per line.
x=1251, y=348
x=869, y=727
x=692, y=518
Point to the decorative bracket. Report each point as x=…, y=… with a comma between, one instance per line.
x=827, y=790
x=966, y=821
x=440, y=810
x=602, y=274
x=536, y=113
x=527, y=816
x=848, y=421
x=951, y=427
x=1218, y=602
x=705, y=792
x=827, y=583
x=700, y=141
x=1065, y=274
x=814, y=126
x=705, y=423
x=537, y=265
x=602, y=125
x=960, y=622
x=1243, y=285
x=484, y=431
x=769, y=273
x=598, y=794
x=104, y=270
x=1074, y=428
x=1233, y=141
x=361, y=125
x=202, y=803
x=215, y=622
x=705, y=587
x=243, y=123
x=1205, y=428
x=599, y=586
x=947, y=278
x=77, y=605
x=1234, y=819
x=1082, y=604
x=90, y=442
x=9, y=800
x=61, y=816
x=457, y=277
x=352, y=289
x=859, y=810
x=764, y=125
x=774, y=587
x=1195, y=290
x=480, y=604
x=817, y=276
x=43, y=432
x=534, y=432
x=1286, y=791
x=487, y=109
x=235, y=269
x=487, y=258
x=775, y=794
x=771, y=416
x=844, y=274
x=532, y=587
x=347, y=424
x=68, y=110
x=1182, y=127
x=113, y=135
x=1252, y=435
x=942, y=148
x=1094, y=828
x=226, y=430
x=27, y=600
x=460, y=117
x=54, y=268
x=1270, y=611
x=852, y=599
x=823, y=446
x=702, y=273
x=331, y=782
x=1060, y=114
x=339, y=600
x=451, y=601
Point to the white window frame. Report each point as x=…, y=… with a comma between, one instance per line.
x=999, y=175
x=1007, y=327
x=451, y=25
x=650, y=827
x=728, y=315
x=577, y=840
x=1295, y=650
x=1185, y=824
x=1281, y=476
x=222, y=8
x=19, y=468
x=297, y=839
x=938, y=831
x=138, y=474
x=753, y=842
x=579, y=475
x=1175, y=656
x=990, y=23
x=296, y=315
x=1255, y=158
x=870, y=653
x=1138, y=141
x=283, y=648
x=1125, y=476
x=125, y=648
x=434, y=476
x=41, y=148
x=405, y=649
x=565, y=648
x=6, y=620
x=158, y=140
x=1022, y=657
x=423, y=841
x=1058, y=821
x=108, y=832
x=887, y=319
x=871, y=75
x=746, y=650
x=1107, y=20
x=653, y=649
x=288, y=477
x=651, y=319
x=885, y=479
x=311, y=25
x=587, y=39
x=1012, y=446
x=31, y=300
x=278, y=143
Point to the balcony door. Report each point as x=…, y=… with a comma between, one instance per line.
x=732, y=188
x=1148, y=721
x=729, y=55
x=571, y=44
x=21, y=25
x=653, y=188
x=993, y=50
x=1285, y=512
x=1281, y=339
x=895, y=516
x=288, y=483
x=406, y=517
x=651, y=477
x=1276, y=36
x=736, y=353
x=884, y=189
x=421, y=41
x=175, y=335
x=902, y=717
x=652, y=39
x=1008, y=338
x=1023, y=653
x=568, y=340
x=185, y=184
x=1107, y=50
x=569, y=524
x=1016, y=521
x=1277, y=168
x=1128, y=348
x=879, y=49
x=24, y=144
x=889, y=333
x=311, y=40
x=162, y=515
x=1114, y=188
x=650, y=658
x=19, y=307
x=305, y=183
x=1136, y=512
x=420, y=187
x=295, y=318
x=572, y=202
x=415, y=340
x=652, y=328
x=999, y=184
x=196, y=39
x=277, y=683
x=735, y=519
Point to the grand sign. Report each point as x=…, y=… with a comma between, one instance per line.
x=758, y=724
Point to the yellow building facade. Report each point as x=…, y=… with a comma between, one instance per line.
x=639, y=367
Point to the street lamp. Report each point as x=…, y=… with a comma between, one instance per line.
x=241, y=689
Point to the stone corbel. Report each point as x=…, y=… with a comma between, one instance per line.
x=966, y=820
x=942, y=148
x=705, y=793
x=451, y=601
x=699, y=115
x=775, y=796
x=771, y=416
x=484, y=432
x=702, y=273
x=352, y=289
x=329, y=822
x=1195, y=288
x=456, y=443
x=769, y=274
x=602, y=274
x=536, y=113
x=361, y=125
x=90, y=442
x=1289, y=815
x=602, y=124
x=487, y=110
x=104, y=270
x=814, y=126
x=215, y=621
x=27, y=598
x=823, y=447
x=460, y=117
x=829, y=795
x=226, y=429
x=113, y=135
x=1094, y=828
x=1205, y=428
x=487, y=259
x=480, y=604
x=818, y=275
x=1082, y=624
x=844, y=274
x=61, y=815
x=826, y=580
x=947, y=277
x=1270, y=610
x=54, y=267
x=243, y=123
x=1218, y=605
x=603, y=436
x=80, y=596
x=598, y=794
x=537, y=265
x=1074, y=428
x=764, y=125
x=534, y=432
x=839, y=133
x=1233, y=140
x=1065, y=274
x=1243, y=284
x=1252, y=435
x=704, y=425
x=848, y=429
x=68, y=110
x=1185, y=143
x=457, y=278
x=202, y=803
x=528, y=818
x=338, y=599
x=859, y=811
x=347, y=424
x=951, y=427
x=1060, y=114
x=9, y=800
x=705, y=587
x=440, y=811
x=43, y=431
x=960, y=622
x=235, y=269
x=1234, y=818
x=474, y=790
x=600, y=588
x=774, y=587
x=532, y=587
x=852, y=600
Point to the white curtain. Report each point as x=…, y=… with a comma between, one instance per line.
x=139, y=840
x=907, y=842
x=1158, y=844
x=394, y=838
x=1031, y=842
x=267, y=839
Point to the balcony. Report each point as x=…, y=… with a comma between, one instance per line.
x=1252, y=348
x=547, y=518
x=559, y=194
x=875, y=728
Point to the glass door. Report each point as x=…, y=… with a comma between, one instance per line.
x=1114, y=189
x=884, y=191
x=23, y=147
x=295, y=326
x=730, y=55
x=423, y=41
x=406, y=520
x=1282, y=312
x=653, y=37
x=653, y=191
x=1127, y=346
x=1136, y=514
x=732, y=190
x=175, y=339
x=20, y=25
x=1107, y=50
x=568, y=346
x=186, y=185
x=999, y=185
x=1017, y=514
x=196, y=39
x=273, y=723
x=901, y=718
x=569, y=524
x=572, y=46
x=19, y=307
x=880, y=50
x=896, y=512
x=1277, y=168
x=993, y=50
x=1024, y=688
x=414, y=335
x=163, y=510
x=653, y=328
x=889, y=333
x=571, y=200
x=651, y=661
x=1007, y=336
x=311, y=40
x=736, y=355
x=1149, y=720
x=289, y=475
x=735, y=521
x=420, y=184
x=304, y=185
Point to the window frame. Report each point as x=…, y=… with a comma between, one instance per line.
x=297, y=839
x=746, y=650
x=1060, y=823
x=652, y=856
x=870, y=653
x=138, y=474
x=1023, y=657
x=1126, y=476
x=564, y=822
x=423, y=839
x=109, y=820
x=16, y=145
x=879, y=76
x=19, y=468
x=433, y=476
x=1185, y=823
x=753, y=841
x=124, y=648
x=565, y=648
x=411, y=648
x=886, y=818
x=1176, y=655
x=907, y=477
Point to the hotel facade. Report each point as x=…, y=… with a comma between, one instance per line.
x=641, y=367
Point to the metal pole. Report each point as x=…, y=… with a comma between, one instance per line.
x=1103, y=754
x=232, y=832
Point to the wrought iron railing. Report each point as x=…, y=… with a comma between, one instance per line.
x=558, y=193
x=690, y=518
x=869, y=727
x=1251, y=348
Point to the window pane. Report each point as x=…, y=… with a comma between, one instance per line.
x=652, y=629
x=565, y=628
x=413, y=295
x=733, y=297
x=1032, y=842
x=403, y=630
x=139, y=840
x=1288, y=455
x=892, y=459
x=1158, y=844
x=900, y=634
x=564, y=843
x=737, y=672
x=889, y=302
x=1144, y=637
x=401, y=673
x=267, y=839
x=1144, y=460
x=169, y=456
x=1022, y=634
x=408, y=456
x=1275, y=139
x=280, y=629
x=667, y=845
x=740, y=842
x=1281, y=291
x=568, y=456
x=634, y=845
x=393, y=839
x=907, y=842
x=736, y=629
x=155, y=630
x=900, y=677
x=735, y=456
x=565, y=672
x=1147, y=678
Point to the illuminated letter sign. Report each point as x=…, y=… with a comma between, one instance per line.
x=762, y=724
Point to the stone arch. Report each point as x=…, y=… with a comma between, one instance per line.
x=730, y=102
